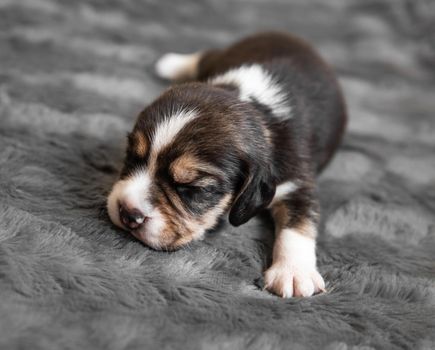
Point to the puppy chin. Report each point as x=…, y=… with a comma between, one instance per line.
x=147, y=239
x=164, y=242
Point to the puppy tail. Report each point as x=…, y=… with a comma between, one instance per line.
x=178, y=67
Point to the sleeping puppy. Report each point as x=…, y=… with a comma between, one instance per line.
x=250, y=131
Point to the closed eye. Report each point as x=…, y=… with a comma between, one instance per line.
x=199, y=186
x=188, y=191
x=204, y=181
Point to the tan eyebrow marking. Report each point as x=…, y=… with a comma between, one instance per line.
x=186, y=169
x=140, y=144
x=183, y=169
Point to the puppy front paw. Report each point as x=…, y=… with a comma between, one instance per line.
x=292, y=281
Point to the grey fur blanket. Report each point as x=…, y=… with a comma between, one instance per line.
x=74, y=75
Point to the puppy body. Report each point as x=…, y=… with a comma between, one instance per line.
x=260, y=120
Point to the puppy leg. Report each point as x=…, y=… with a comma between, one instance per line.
x=293, y=271
x=178, y=67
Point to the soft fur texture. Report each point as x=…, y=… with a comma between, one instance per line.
x=73, y=77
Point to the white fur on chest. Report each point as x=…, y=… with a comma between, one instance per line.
x=255, y=83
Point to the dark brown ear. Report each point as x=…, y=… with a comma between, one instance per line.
x=255, y=194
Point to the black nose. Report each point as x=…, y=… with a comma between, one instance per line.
x=132, y=218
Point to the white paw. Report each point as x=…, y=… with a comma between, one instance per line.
x=289, y=281
x=174, y=66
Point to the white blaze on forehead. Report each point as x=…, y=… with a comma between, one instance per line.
x=167, y=130
x=255, y=82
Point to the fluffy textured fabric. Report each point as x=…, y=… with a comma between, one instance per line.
x=73, y=76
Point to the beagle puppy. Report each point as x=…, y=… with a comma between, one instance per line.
x=248, y=129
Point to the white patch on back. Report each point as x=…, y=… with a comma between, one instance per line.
x=167, y=130
x=255, y=82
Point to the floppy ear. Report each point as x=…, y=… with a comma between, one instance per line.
x=256, y=193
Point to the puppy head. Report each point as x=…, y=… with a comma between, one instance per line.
x=193, y=154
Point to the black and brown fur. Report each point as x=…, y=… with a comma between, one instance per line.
x=241, y=149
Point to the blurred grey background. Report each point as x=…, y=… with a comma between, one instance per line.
x=73, y=77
